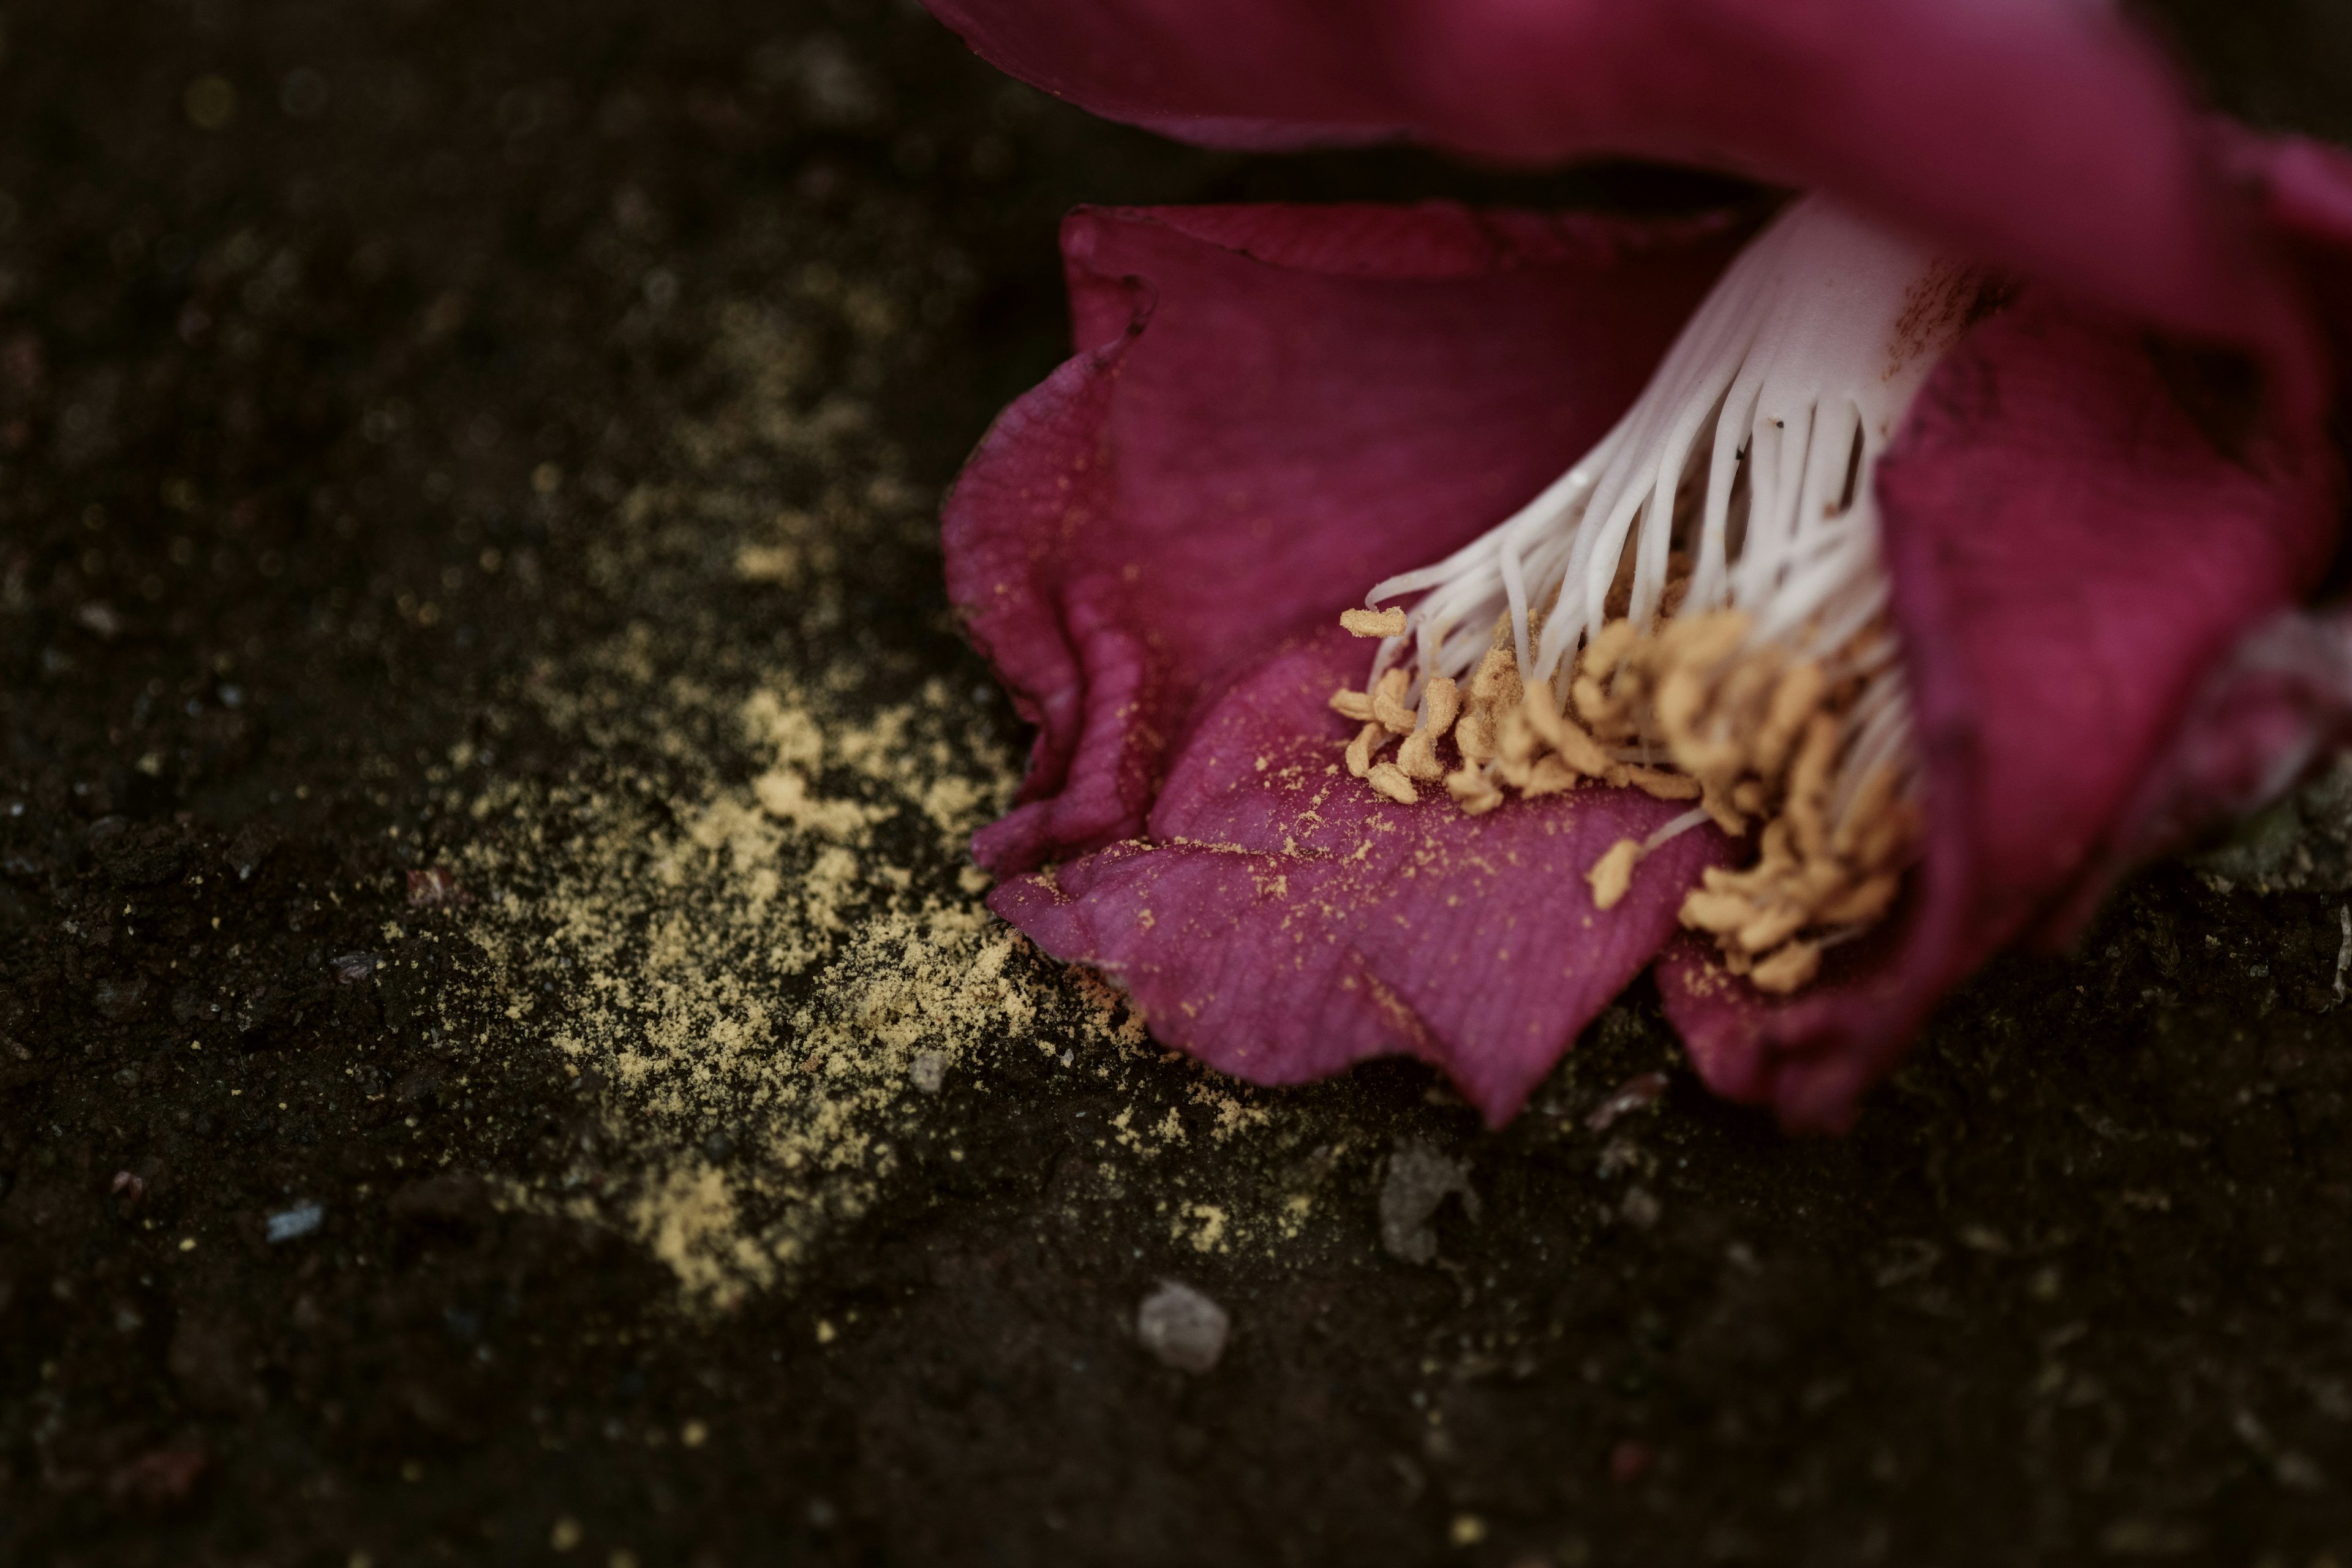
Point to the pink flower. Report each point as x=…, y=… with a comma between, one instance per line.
x=1274, y=408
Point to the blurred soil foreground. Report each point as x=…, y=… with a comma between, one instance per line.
x=502, y=1057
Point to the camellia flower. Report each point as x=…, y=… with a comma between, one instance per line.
x=1432, y=618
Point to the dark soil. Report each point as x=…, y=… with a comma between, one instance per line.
x=334, y=340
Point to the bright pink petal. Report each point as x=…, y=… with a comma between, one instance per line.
x=1275, y=407
x=2045, y=135
x=2071, y=552
x=1286, y=922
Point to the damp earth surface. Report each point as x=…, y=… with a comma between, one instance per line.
x=502, y=1057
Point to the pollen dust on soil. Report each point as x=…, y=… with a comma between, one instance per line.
x=744, y=919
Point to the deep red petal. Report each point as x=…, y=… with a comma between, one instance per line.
x=2282, y=698
x=2047, y=137
x=1274, y=408
x=2071, y=551
x=1286, y=922
x=2278, y=703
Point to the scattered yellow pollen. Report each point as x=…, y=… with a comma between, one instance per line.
x=1612, y=874
x=1373, y=622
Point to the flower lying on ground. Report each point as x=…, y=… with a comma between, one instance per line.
x=1810, y=604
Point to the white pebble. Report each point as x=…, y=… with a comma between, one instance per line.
x=1181, y=1327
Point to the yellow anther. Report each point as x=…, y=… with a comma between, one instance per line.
x=1862, y=904
x=1473, y=736
x=1896, y=830
x=1788, y=969
x=1800, y=693
x=1870, y=802
x=1373, y=622
x=1747, y=690
x=1549, y=776
x=1563, y=734
x=1388, y=701
x=1808, y=783
x=1390, y=779
x=1516, y=740
x=1720, y=810
x=1498, y=679
x=1819, y=881
x=1681, y=698
x=1716, y=912
x=1494, y=691
x=1607, y=647
x=1595, y=705
x=1657, y=783
x=1772, y=928
x=1703, y=640
x=1613, y=874
x=1472, y=790
x=1440, y=702
x=1753, y=734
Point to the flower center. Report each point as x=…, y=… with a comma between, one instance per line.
x=1698, y=607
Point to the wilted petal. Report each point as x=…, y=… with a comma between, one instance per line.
x=2282, y=696
x=2303, y=190
x=1273, y=408
x=2049, y=137
x=2071, y=552
x=1285, y=921
x=2261, y=717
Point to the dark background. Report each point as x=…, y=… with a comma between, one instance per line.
x=299, y=301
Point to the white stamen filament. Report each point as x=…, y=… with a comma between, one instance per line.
x=1751, y=452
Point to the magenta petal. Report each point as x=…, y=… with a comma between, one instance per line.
x=1274, y=408
x=2274, y=706
x=2282, y=696
x=1286, y=923
x=2071, y=552
x=2046, y=137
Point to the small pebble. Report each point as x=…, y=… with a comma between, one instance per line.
x=927, y=1071
x=1419, y=1179
x=1641, y=1209
x=350, y=968
x=1181, y=1327
x=291, y=1225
